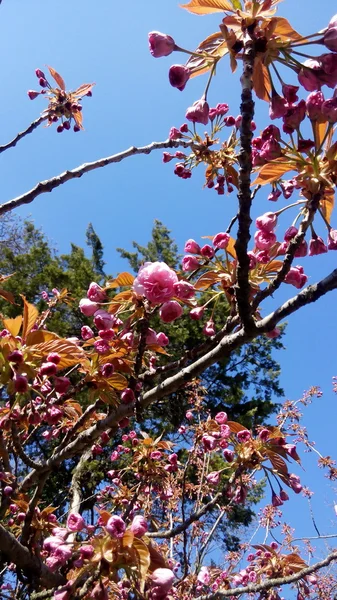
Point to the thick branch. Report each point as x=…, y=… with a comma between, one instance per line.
x=24, y=560
x=50, y=184
x=245, y=195
x=22, y=134
x=272, y=583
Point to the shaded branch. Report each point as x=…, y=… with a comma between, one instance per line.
x=272, y=583
x=24, y=560
x=244, y=193
x=22, y=134
x=50, y=184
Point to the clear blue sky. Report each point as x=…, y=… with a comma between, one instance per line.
x=106, y=42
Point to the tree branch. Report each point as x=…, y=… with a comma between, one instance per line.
x=50, y=184
x=22, y=134
x=245, y=194
x=24, y=560
x=272, y=583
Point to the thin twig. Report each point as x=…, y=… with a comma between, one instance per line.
x=50, y=184
x=23, y=134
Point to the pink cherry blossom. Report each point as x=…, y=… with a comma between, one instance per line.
x=155, y=282
x=116, y=526
x=170, y=311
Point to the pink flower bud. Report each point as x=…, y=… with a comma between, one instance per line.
x=308, y=76
x=295, y=484
x=329, y=109
x=162, y=339
x=221, y=240
x=139, y=526
x=197, y=313
x=160, y=44
x=101, y=346
x=75, y=522
x=96, y=293
x=61, y=384
x=107, y=370
x=127, y=396
x=87, y=307
x=116, y=527
x=190, y=263
x=207, y=251
x=184, y=290
x=163, y=578
x=276, y=500
x=267, y=222
x=53, y=357
x=270, y=150
x=221, y=418
x=198, y=112
x=274, y=333
x=317, y=246
x=103, y=319
x=167, y=157
x=274, y=195
x=16, y=357
x=39, y=74
x=330, y=38
x=170, y=311
x=20, y=384
x=192, y=247
x=87, y=551
x=32, y=94
x=179, y=76
x=48, y=368
x=209, y=328
x=314, y=104
x=278, y=106
x=209, y=442
x=86, y=333
x=213, y=478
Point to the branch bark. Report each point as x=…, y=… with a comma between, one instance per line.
x=245, y=194
x=22, y=134
x=50, y=184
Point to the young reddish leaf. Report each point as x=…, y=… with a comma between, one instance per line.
x=205, y=7
x=126, y=295
x=236, y=427
x=70, y=353
x=121, y=280
x=128, y=538
x=7, y=296
x=30, y=315
x=272, y=171
x=83, y=90
x=285, y=31
x=319, y=130
x=231, y=247
x=13, y=325
x=327, y=205
x=215, y=45
x=273, y=267
x=78, y=119
x=206, y=280
x=39, y=336
x=144, y=559
x=261, y=81
x=277, y=462
x=117, y=381
x=57, y=77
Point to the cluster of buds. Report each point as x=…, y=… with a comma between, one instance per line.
x=63, y=106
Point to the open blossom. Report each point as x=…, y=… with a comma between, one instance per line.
x=160, y=44
x=75, y=522
x=213, y=478
x=264, y=240
x=155, y=281
x=295, y=484
x=204, y=576
x=115, y=526
x=170, y=311
x=103, y=319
